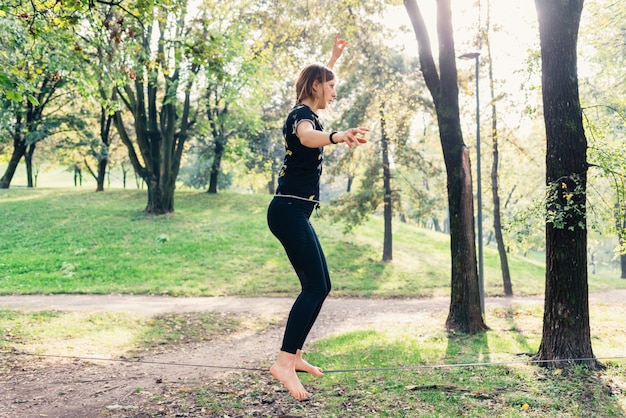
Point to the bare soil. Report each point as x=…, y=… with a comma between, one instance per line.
x=162, y=384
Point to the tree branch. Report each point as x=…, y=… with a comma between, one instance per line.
x=427, y=62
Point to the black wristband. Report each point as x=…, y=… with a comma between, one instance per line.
x=331, y=137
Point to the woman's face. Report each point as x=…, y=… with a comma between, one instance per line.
x=326, y=93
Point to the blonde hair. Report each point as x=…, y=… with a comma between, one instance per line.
x=308, y=76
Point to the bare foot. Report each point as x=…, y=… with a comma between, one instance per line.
x=284, y=370
x=304, y=366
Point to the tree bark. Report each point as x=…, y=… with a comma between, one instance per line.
x=566, y=335
x=465, y=312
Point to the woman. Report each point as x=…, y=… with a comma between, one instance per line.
x=288, y=214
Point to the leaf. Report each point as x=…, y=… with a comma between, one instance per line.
x=13, y=95
x=33, y=100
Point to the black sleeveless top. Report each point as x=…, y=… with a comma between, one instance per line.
x=302, y=166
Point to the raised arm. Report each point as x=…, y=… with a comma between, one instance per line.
x=338, y=48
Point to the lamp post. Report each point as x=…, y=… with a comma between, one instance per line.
x=479, y=203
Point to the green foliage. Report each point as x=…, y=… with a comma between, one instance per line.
x=604, y=111
x=352, y=209
x=564, y=207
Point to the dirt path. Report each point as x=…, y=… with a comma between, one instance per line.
x=80, y=388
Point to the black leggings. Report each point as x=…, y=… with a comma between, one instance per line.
x=288, y=219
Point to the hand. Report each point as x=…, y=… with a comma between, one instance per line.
x=352, y=136
x=338, y=48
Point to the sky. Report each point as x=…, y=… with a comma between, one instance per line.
x=517, y=20
x=517, y=32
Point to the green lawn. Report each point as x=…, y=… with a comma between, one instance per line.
x=69, y=241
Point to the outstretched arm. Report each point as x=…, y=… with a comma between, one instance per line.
x=338, y=48
x=311, y=138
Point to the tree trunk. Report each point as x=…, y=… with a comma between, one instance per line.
x=160, y=199
x=215, y=167
x=566, y=335
x=349, y=183
x=387, y=201
x=465, y=311
x=28, y=160
x=106, y=120
x=622, y=259
x=495, y=154
x=620, y=216
x=19, y=149
x=101, y=174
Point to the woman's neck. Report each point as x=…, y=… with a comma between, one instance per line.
x=310, y=103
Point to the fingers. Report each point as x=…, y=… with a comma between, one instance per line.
x=340, y=43
x=354, y=136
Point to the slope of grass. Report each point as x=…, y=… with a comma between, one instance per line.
x=68, y=241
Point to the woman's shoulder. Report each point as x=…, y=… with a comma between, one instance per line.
x=301, y=110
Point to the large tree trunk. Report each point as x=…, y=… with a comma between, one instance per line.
x=387, y=201
x=566, y=333
x=160, y=199
x=465, y=311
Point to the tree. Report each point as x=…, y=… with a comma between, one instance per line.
x=41, y=64
x=157, y=73
x=566, y=333
x=98, y=51
x=465, y=310
x=495, y=153
x=229, y=64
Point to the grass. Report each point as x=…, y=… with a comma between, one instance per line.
x=68, y=241
x=111, y=334
x=437, y=381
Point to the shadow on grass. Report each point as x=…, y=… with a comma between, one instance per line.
x=468, y=349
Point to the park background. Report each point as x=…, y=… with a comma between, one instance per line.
x=72, y=261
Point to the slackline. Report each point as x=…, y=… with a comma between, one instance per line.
x=355, y=370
